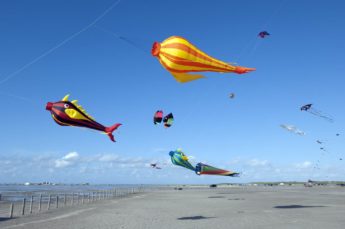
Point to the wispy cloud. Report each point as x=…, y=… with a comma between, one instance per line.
x=259, y=169
x=115, y=168
x=69, y=159
x=293, y=129
x=108, y=158
x=304, y=165
x=256, y=162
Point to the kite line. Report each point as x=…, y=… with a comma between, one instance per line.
x=59, y=45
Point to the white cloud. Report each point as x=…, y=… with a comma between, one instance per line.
x=257, y=162
x=75, y=167
x=67, y=160
x=115, y=160
x=108, y=158
x=234, y=161
x=304, y=165
x=71, y=156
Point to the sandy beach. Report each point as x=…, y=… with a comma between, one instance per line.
x=238, y=207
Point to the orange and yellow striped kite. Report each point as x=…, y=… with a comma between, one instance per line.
x=179, y=57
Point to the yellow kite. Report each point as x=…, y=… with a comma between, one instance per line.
x=179, y=57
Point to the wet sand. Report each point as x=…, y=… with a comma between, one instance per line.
x=237, y=207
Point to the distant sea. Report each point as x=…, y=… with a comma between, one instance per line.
x=15, y=188
x=8, y=188
x=16, y=192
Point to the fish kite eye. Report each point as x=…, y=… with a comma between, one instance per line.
x=66, y=106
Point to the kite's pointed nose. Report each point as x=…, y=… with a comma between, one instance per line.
x=49, y=106
x=241, y=70
x=156, y=49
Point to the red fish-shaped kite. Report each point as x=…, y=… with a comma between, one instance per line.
x=69, y=113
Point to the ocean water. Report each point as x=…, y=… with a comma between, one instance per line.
x=4, y=188
x=18, y=192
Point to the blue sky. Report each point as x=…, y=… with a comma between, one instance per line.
x=115, y=81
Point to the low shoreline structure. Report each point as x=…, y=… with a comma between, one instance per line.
x=20, y=203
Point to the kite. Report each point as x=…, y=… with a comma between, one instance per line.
x=306, y=107
x=263, y=34
x=154, y=166
x=318, y=141
x=203, y=169
x=157, y=118
x=292, y=129
x=179, y=158
x=66, y=113
x=232, y=95
x=310, y=109
x=180, y=57
x=168, y=120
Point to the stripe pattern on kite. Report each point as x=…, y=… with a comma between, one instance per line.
x=179, y=57
x=203, y=169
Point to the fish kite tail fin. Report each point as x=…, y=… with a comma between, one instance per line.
x=241, y=70
x=109, y=131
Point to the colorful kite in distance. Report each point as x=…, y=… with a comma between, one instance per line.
x=203, y=169
x=168, y=120
x=263, y=34
x=180, y=57
x=306, y=107
x=310, y=109
x=232, y=95
x=157, y=118
x=154, y=166
x=66, y=113
x=180, y=159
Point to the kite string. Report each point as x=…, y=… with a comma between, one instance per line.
x=253, y=41
x=257, y=42
x=125, y=39
x=282, y=3
x=25, y=99
x=320, y=114
x=245, y=48
x=62, y=43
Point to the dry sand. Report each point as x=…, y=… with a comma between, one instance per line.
x=240, y=207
